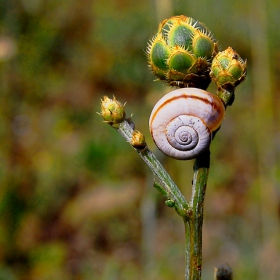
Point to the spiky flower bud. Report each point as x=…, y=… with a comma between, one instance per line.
x=181, y=52
x=228, y=69
x=112, y=111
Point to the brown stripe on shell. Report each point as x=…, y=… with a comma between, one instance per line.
x=186, y=96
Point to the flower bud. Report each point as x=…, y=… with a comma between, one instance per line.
x=112, y=111
x=228, y=69
x=138, y=140
x=181, y=52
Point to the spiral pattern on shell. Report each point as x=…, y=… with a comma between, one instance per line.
x=183, y=120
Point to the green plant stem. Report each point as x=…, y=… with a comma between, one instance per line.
x=227, y=95
x=126, y=129
x=192, y=212
x=193, y=222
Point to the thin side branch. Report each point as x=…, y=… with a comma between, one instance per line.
x=173, y=193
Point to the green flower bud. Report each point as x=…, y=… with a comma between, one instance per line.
x=112, y=111
x=181, y=52
x=228, y=69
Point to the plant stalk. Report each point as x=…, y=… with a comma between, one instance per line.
x=191, y=212
x=169, y=188
x=194, y=221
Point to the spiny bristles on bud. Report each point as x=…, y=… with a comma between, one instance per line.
x=204, y=47
x=112, y=111
x=159, y=52
x=181, y=60
x=182, y=51
x=228, y=69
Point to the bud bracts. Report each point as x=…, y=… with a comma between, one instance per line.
x=228, y=69
x=181, y=52
x=112, y=111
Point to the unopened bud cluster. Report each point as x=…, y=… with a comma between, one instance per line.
x=182, y=51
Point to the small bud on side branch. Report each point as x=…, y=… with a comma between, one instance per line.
x=112, y=111
x=228, y=70
x=138, y=140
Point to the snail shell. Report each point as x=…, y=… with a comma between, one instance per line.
x=183, y=120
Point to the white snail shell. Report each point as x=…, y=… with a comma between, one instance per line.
x=183, y=120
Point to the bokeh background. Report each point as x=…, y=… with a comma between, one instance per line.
x=76, y=202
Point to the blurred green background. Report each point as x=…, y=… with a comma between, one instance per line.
x=76, y=202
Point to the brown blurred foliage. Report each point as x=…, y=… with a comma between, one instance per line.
x=76, y=202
